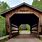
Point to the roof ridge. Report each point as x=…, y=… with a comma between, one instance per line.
x=24, y=3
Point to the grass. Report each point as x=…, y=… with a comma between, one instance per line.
x=4, y=40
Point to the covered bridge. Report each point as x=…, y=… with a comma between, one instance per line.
x=23, y=14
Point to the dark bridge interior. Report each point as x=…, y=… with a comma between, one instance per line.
x=19, y=19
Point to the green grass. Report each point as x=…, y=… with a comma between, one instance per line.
x=4, y=40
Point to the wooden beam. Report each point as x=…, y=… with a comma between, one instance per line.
x=8, y=27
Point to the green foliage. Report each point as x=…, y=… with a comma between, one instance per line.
x=2, y=26
x=3, y=7
x=27, y=27
x=37, y=4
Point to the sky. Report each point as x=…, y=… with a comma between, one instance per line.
x=13, y=3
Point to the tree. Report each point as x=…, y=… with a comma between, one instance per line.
x=37, y=4
x=3, y=6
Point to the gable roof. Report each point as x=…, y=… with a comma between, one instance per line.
x=22, y=4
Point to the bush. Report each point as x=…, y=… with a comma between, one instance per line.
x=2, y=26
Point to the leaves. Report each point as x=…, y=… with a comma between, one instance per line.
x=25, y=26
x=37, y=4
x=3, y=7
x=2, y=26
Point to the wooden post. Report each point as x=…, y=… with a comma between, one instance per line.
x=8, y=29
x=41, y=28
x=38, y=27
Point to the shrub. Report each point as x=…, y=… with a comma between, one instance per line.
x=2, y=26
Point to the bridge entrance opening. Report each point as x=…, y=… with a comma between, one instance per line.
x=24, y=20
